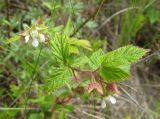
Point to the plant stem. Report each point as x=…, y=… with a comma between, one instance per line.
x=87, y=72
x=30, y=83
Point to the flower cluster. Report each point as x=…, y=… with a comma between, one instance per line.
x=34, y=36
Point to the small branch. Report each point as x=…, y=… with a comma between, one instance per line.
x=148, y=5
x=104, y=81
x=91, y=115
x=87, y=20
x=132, y=98
x=157, y=53
x=116, y=14
x=19, y=7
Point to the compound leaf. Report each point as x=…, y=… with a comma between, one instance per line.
x=113, y=74
x=80, y=43
x=60, y=48
x=95, y=61
x=124, y=55
x=116, y=64
x=58, y=79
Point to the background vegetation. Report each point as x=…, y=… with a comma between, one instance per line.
x=107, y=24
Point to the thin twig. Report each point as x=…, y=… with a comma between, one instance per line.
x=148, y=57
x=129, y=96
x=91, y=115
x=116, y=14
x=87, y=20
x=88, y=114
x=148, y=5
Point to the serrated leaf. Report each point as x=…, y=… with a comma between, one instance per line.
x=73, y=49
x=50, y=5
x=60, y=48
x=68, y=27
x=58, y=79
x=95, y=61
x=124, y=55
x=79, y=61
x=116, y=64
x=153, y=14
x=13, y=39
x=113, y=74
x=81, y=43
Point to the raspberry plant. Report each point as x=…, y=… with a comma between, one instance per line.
x=77, y=65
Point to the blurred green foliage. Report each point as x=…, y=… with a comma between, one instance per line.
x=18, y=61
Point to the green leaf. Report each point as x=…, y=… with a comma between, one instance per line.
x=78, y=61
x=92, y=24
x=45, y=101
x=73, y=49
x=36, y=116
x=50, y=5
x=62, y=115
x=67, y=29
x=116, y=64
x=124, y=55
x=113, y=74
x=13, y=39
x=58, y=79
x=66, y=108
x=60, y=48
x=81, y=43
x=95, y=61
x=153, y=14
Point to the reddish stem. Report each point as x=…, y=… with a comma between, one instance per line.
x=87, y=72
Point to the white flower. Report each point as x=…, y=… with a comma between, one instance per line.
x=103, y=104
x=34, y=33
x=38, y=28
x=35, y=36
x=42, y=37
x=112, y=99
x=35, y=43
x=26, y=39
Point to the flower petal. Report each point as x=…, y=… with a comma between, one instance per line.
x=35, y=43
x=112, y=99
x=42, y=37
x=34, y=33
x=26, y=39
x=38, y=28
x=103, y=104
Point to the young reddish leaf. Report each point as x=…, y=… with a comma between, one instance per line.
x=95, y=85
x=113, y=87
